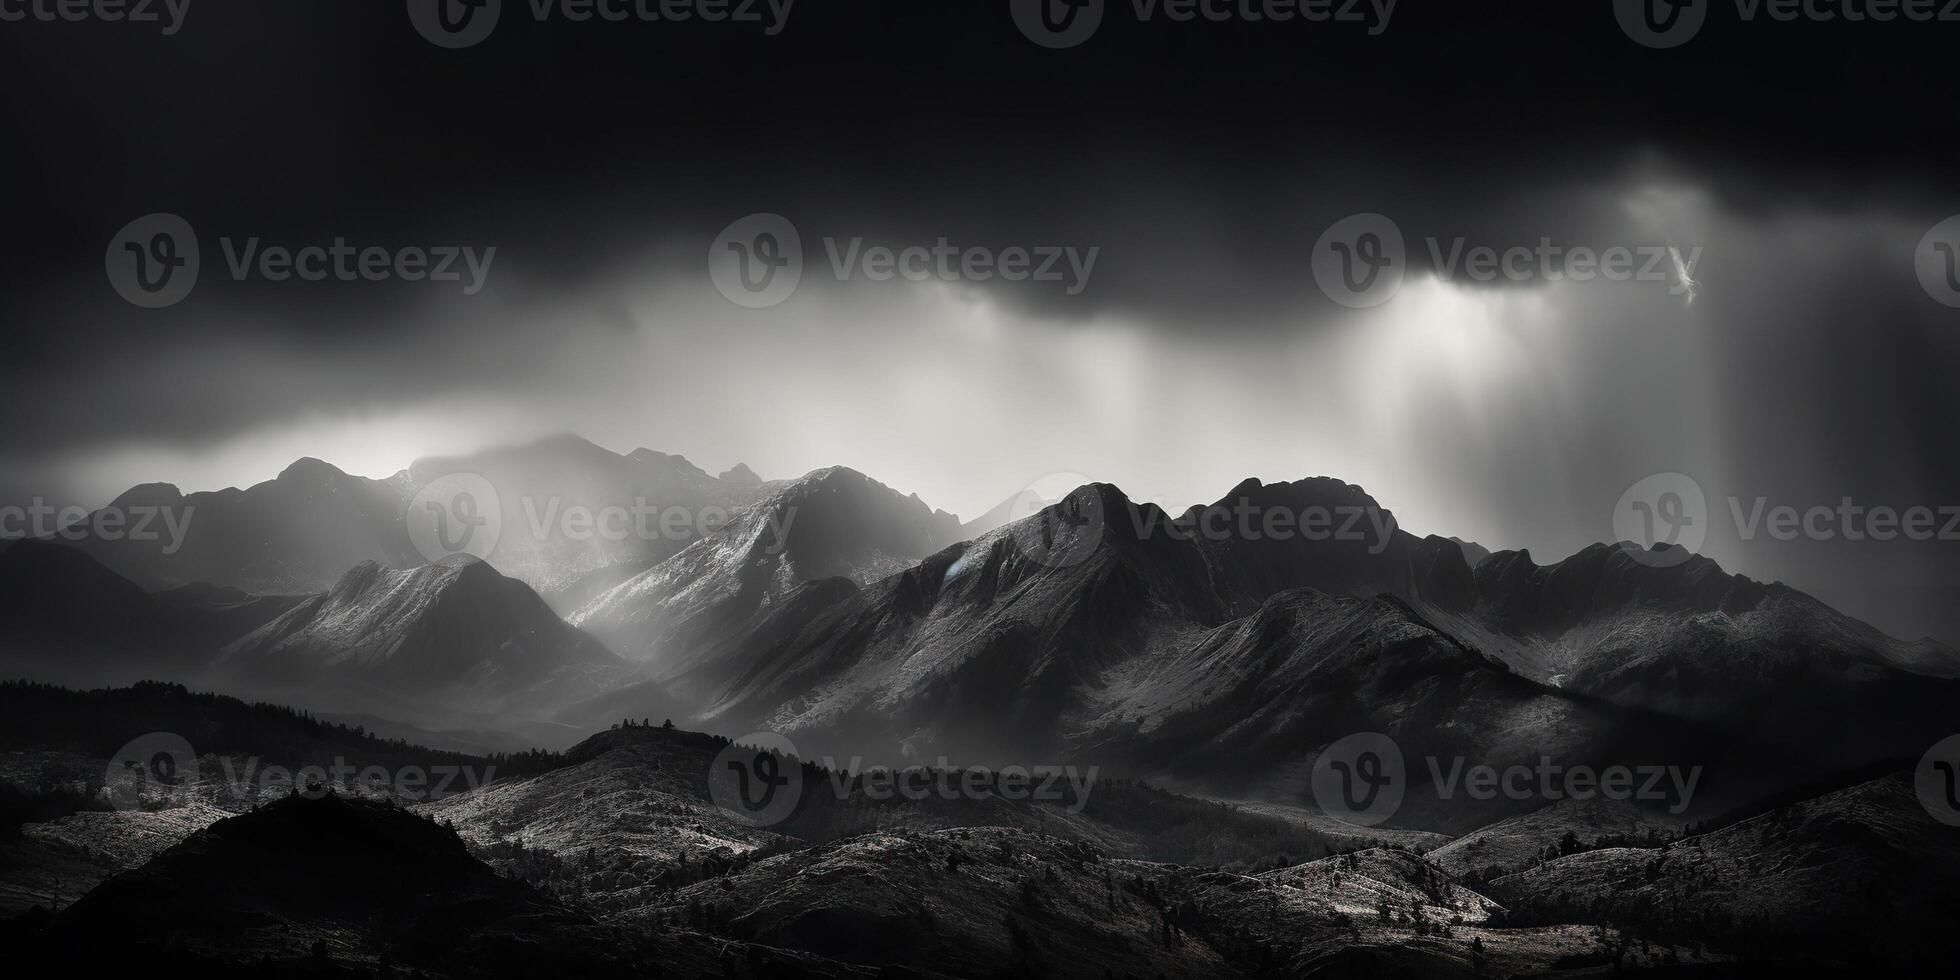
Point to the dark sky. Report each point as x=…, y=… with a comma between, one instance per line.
x=1202, y=159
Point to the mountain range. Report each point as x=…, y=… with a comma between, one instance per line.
x=301, y=531
x=1201, y=648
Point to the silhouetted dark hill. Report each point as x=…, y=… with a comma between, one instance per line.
x=347, y=882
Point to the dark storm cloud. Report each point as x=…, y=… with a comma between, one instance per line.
x=1202, y=159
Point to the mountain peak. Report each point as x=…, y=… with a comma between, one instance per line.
x=149, y=494
x=645, y=456
x=741, y=475
x=307, y=469
x=569, y=444
x=1325, y=491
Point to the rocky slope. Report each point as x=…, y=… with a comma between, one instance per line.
x=1517, y=843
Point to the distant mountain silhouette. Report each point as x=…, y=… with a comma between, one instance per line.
x=300, y=532
x=291, y=534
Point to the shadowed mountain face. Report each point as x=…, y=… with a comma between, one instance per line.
x=64, y=617
x=454, y=631
x=57, y=600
